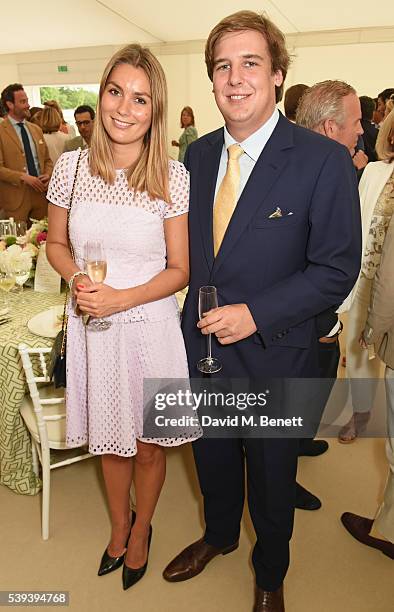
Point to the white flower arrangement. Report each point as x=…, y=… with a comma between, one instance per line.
x=15, y=258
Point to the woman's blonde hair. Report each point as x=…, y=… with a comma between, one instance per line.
x=50, y=120
x=150, y=173
x=384, y=145
x=36, y=118
x=55, y=104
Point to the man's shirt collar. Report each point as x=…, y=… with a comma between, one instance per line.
x=255, y=143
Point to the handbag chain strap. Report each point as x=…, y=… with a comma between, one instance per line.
x=64, y=320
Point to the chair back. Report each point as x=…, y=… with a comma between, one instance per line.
x=39, y=403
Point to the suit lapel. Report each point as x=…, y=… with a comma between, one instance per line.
x=12, y=134
x=210, y=159
x=265, y=174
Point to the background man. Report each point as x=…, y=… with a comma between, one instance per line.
x=370, y=130
x=25, y=165
x=84, y=119
x=266, y=197
x=383, y=96
x=332, y=108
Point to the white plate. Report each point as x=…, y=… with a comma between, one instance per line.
x=46, y=323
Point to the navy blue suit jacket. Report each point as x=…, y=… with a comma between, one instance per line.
x=286, y=269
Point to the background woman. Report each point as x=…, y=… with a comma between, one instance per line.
x=64, y=126
x=129, y=196
x=50, y=122
x=189, y=133
x=379, y=331
x=377, y=206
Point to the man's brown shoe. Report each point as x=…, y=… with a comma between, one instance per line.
x=192, y=560
x=359, y=527
x=269, y=601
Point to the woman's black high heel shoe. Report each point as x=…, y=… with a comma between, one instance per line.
x=130, y=576
x=110, y=564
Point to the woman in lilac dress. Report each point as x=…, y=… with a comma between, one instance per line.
x=133, y=199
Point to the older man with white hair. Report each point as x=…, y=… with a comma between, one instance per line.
x=333, y=108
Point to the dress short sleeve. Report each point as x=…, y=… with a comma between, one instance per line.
x=60, y=185
x=179, y=190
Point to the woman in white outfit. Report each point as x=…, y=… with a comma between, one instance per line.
x=377, y=205
x=379, y=331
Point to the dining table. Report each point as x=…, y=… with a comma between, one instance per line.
x=16, y=468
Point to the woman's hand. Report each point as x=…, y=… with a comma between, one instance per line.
x=80, y=281
x=99, y=300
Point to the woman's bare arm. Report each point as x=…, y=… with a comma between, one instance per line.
x=57, y=247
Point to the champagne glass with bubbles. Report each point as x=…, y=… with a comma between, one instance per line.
x=207, y=300
x=96, y=267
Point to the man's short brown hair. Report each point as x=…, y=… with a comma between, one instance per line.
x=249, y=20
x=292, y=99
x=8, y=94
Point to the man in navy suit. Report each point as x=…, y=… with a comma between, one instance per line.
x=291, y=250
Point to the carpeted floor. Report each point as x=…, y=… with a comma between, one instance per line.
x=330, y=572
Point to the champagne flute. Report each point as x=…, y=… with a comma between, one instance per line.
x=208, y=299
x=96, y=267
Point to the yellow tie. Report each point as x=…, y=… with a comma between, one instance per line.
x=226, y=199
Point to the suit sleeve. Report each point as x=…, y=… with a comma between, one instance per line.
x=6, y=174
x=381, y=311
x=47, y=166
x=48, y=163
x=333, y=254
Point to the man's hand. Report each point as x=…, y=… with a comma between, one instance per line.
x=228, y=323
x=34, y=182
x=44, y=178
x=360, y=160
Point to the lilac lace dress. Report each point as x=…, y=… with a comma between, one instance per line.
x=106, y=369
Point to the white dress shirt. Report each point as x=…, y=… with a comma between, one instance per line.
x=252, y=146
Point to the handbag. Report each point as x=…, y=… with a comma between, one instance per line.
x=57, y=358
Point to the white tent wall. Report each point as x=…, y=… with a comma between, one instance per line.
x=363, y=65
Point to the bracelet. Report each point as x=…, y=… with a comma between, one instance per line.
x=73, y=277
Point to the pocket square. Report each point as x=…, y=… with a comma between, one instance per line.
x=279, y=213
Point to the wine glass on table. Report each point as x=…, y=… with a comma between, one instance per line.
x=21, y=273
x=7, y=228
x=207, y=300
x=96, y=268
x=7, y=282
x=20, y=228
